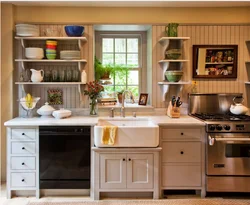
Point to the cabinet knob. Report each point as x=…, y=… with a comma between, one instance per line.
x=22, y=180
x=23, y=147
x=182, y=152
x=129, y=159
x=123, y=159
x=23, y=133
x=23, y=163
x=182, y=133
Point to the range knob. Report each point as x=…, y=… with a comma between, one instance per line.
x=212, y=127
x=227, y=127
x=219, y=127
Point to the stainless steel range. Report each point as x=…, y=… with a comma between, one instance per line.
x=227, y=142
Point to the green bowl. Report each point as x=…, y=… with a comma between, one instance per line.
x=51, y=56
x=173, y=76
x=173, y=54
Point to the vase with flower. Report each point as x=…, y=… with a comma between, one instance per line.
x=94, y=89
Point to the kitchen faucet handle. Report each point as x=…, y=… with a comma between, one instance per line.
x=111, y=112
x=134, y=114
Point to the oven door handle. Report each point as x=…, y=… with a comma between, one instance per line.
x=212, y=140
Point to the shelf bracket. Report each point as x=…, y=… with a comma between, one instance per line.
x=22, y=65
x=22, y=43
x=164, y=89
x=79, y=66
x=79, y=44
x=23, y=89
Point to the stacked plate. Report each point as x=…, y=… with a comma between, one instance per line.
x=27, y=30
x=70, y=55
x=34, y=53
x=51, y=49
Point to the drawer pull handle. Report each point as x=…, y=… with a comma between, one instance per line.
x=22, y=180
x=23, y=133
x=129, y=159
x=23, y=163
x=182, y=152
x=23, y=147
x=182, y=133
x=123, y=159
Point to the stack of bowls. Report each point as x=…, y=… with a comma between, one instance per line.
x=34, y=53
x=51, y=49
x=27, y=30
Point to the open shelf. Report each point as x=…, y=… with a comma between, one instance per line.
x=50, y=83
x=219, y=63
x=51, y=38
x=176, y=61
x=50, y=61
x=247, y=83
x=174, y=83
x=247, y=62
x=173, y=38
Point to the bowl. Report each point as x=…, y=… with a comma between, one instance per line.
x=45, y=110
x=173, y=76
x=73, y=30
x=51, y=56
x=62, y=113
x=50, y=51
x=34, y=53
x=27, y=30
x=28, y=106
x=173, y=54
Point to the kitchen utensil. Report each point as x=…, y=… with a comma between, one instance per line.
x=173, y=101
x=74, y=30
x=37, y=75
x=178, y=102
x=45, y=110
x=238, y=108
x=62, y=113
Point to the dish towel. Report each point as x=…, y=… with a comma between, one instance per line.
x=108, y=135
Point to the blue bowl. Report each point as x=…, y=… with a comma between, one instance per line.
x=72, y=30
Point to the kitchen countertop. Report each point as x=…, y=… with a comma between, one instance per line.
x=91, y=121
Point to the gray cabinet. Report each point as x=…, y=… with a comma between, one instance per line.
x=125, y=170
x=183, y=158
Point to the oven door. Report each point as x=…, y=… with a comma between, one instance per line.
x=228, y=154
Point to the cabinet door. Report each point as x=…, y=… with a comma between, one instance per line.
x=140, y=171
x=113, y=171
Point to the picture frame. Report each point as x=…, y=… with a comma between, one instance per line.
x=143, y=99
x=215, y=61
x=55, y=96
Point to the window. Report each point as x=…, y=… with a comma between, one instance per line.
x=122, y=49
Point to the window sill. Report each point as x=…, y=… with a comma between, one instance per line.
x=129, y=105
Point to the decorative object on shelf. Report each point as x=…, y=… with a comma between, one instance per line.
x=28, y=103
x=27, y=30
x=119, y=96
x=143, y=99
x=84, y=77
x=215, y=61
x=171, y=29
x=62, y=113
x=34, y=53
x=104, y=72
x=109, y=101
x=94, y=89
x=238, y=108
x=52, y=31
x=194, y=86
x=45, y=110
x=173, y=109
x=51, y=49
x=173, y=75
x=55, y=96
x=37, y=75
x=74, y=30
x=173, y=54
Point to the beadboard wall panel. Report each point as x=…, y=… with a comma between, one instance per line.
x=204, y=34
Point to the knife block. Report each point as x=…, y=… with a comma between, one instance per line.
x=173, y=111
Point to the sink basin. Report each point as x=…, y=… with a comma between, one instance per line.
x=131, y=132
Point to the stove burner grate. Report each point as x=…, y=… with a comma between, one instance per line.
x=221, y=117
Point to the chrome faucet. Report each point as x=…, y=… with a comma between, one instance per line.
x=123, y=98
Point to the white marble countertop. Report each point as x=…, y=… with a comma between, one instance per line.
x=161, y=120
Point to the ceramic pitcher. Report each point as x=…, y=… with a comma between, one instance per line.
x=36, y=75
x=171, y=29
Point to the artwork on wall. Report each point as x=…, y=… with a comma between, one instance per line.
x=55, y=96
x=215, y=61
x=143, y=99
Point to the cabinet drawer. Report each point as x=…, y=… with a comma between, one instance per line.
x=181, y=134
x=181, y=175
x=23, y=134
x=23, y=163
x=23, y=179
x=181, y=152
x=23, y=147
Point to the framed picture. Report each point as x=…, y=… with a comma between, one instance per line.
x=215, y=61
x=55, y=97
x=143, y=99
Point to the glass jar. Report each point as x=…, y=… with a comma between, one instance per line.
x=47, y=76
x=69, y=75
x=54, y=75
x=75, y=75
x=62, y=75
x=93, y=107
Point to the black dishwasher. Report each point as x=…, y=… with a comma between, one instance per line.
x=64, y=157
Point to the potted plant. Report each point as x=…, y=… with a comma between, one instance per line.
x=106, y=71
x=119, y=96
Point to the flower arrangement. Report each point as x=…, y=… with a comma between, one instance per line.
x=194, y=86
x=94, y=90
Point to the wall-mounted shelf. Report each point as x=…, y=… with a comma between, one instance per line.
x=174, y=83
x=174, y=61
x=51, y=61
x=247, y=62
x=173, y=38
x=79, y=39
x=247, y=83
x=219, y=63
